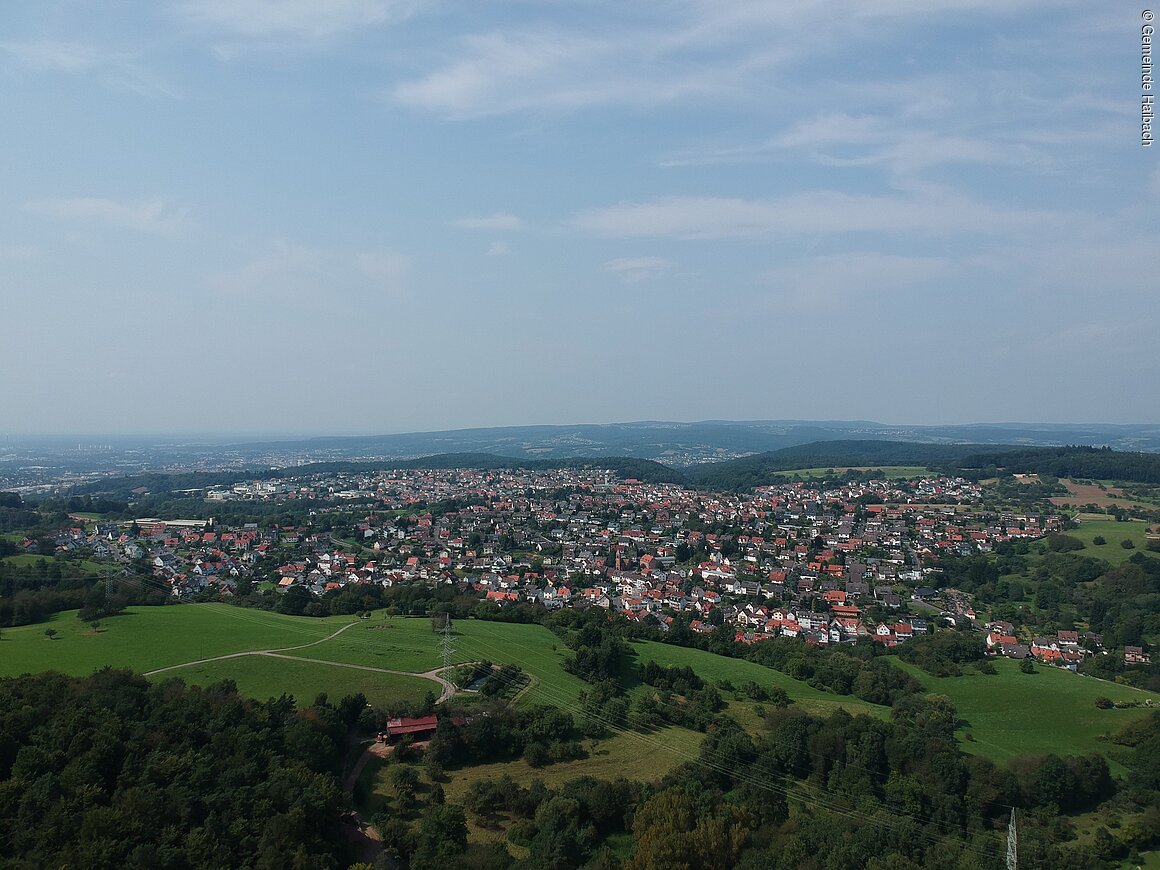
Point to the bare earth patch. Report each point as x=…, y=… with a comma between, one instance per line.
x=1089, y=493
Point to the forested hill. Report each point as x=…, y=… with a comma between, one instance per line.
x=972, y=460
x=1098, y=463
x=160, y=483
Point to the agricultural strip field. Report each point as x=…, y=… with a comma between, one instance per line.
x=1113, y=533
x=1053, y=710
x=1080, y=494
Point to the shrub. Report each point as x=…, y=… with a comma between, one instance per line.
x=1104, y=703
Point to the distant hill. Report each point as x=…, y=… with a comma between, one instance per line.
x=682, y=444
x=973, y=460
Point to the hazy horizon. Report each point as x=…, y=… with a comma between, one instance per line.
x=241, y=436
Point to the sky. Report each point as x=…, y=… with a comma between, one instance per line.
x=375, y=216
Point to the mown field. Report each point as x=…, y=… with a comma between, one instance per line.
x=1114, y=534
x=145, y=638
x=149, y=638
x=265, y=677
x=1053, y=710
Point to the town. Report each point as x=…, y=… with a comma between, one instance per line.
x=827, y=563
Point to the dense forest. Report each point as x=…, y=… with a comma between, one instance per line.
x=115, y=772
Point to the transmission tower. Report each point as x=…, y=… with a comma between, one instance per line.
x=1012, y=844
x=446, y=645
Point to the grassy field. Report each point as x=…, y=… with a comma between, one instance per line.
x=712, y=668
x=896, y=472
x=265, y=677
x=410, y=645
x=144, y=638
x=1052, y=710
x=23, y=560
x=643, y=757
x=1113, y=533
x=147, y=638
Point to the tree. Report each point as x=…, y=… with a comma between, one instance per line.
x=50, y=633
x=441, y=836
x=1027, y=666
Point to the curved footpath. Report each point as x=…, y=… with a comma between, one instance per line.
x=446, y=688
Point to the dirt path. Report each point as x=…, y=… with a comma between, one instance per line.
x=446, y=688
x=252, y=652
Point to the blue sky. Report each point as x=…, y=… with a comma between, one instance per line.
x=356, y=216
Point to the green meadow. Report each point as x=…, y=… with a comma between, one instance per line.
x=146, y=638
x=1053, y=710
x=1114, y=534
x=713, y=668
x=266, y=677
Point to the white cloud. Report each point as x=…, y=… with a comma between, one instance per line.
x=930, y=212
x=146, y=216
x=635, y=269
x=286, y=269
x=498, y=249
x=495, y=222
x=305, y=20
x=300, y=272
x=705, y=50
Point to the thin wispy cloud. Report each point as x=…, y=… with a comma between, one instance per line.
x=497, y=222
x=633, y=270
x=296, y=272
x=821, y=211
x=271, y=23
x=498, y=249
x=51, y=55
x=116, y=69
x=145, y=216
